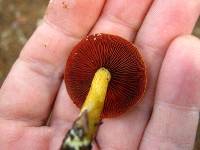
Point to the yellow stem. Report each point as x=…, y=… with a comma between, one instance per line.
x=95, y=99
x=81, y=134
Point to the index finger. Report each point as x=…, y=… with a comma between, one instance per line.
x=31, y=86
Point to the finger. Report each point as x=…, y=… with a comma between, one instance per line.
x=175, y=116
x=165, y=21
x=29, y=90
x=61, y=123
x=132, y=124
x=122, y=18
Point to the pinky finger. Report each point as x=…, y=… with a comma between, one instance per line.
x=175, y=116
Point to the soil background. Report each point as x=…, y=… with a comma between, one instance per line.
x=18, y=19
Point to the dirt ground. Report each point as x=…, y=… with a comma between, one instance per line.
x=18, y=19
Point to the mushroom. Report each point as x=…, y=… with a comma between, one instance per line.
x=105, y=76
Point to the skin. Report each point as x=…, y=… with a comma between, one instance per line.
x=168, y=116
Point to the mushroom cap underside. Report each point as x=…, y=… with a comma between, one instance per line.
x=121, y=58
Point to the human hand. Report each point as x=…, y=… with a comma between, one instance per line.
x=168, y=116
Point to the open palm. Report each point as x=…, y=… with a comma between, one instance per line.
x=168, y=116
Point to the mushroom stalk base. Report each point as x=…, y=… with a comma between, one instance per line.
x=81, y=135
